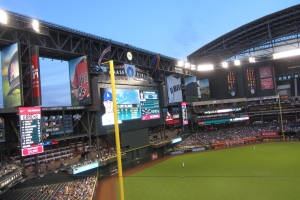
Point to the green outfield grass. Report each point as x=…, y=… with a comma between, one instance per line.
x=271, y=171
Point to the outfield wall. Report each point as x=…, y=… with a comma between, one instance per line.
x=140, y=156
x=134, y=158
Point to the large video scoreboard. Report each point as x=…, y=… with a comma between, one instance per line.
x=30, y=131
x=133, y=104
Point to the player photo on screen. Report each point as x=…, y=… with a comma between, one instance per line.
x=80, y=88
x=108, y=117
x=142, y=96
x=10, y=76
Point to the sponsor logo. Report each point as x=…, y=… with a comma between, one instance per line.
x=176, y=152
x=154, y=156
x=198, y=149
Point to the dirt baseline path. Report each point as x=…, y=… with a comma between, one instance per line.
x=107, y=188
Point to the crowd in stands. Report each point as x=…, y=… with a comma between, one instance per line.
x=104, y=156
x=7, y=170
x=78, y=190
x=218, y=135
x=287, y=127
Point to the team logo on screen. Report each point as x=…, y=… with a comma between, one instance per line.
x=130, y=71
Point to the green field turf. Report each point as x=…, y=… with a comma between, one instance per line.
x=271, y=171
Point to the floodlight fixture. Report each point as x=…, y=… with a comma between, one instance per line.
x=180, y=63
x=284, y=54
x=35, y=25
x=193, y=67
x=237, y=62
x=225, y=64
x=252, y=60
x=187, y=65
x=205, y=67
x=3, y=17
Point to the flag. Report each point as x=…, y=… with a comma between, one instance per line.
x=108, y=49
x=155, y=62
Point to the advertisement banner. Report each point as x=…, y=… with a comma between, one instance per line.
x=205, y=90
x=266, y=78
x=191, y=89
x=269, y=134
x=171, y=118
x=266, y=84
x=176, y=152
x=79, y=82
x=83, y=168
x=184, y=113
x=198, y=149
x=154, y=156
x=127, y=74
x=35, y=74
x=176, y=140
x=198, y=89
x=174, y=88
x=2, y=130
x=10, y=63
x=265, y=72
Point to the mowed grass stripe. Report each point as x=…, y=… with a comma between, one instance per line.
x=268, y=172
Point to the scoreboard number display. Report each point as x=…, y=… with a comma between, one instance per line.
x=30, y=131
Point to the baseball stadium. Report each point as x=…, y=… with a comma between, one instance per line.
x=141, y=125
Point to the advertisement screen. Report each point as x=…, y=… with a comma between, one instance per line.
x=2, y=130
x=30, y=131
x=85, y=167
x=184, y=113
x=10, y=77
x=266, y=78
x=176, y=140
x=56, y=124
x=171, y=117
x=149, y=104
x=79, y=82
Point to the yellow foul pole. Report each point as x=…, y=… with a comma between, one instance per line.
x=118, y=147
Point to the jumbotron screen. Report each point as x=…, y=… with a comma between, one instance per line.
x=131, y=104
x=30, y=131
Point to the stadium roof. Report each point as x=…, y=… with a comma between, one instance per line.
x=261, y=38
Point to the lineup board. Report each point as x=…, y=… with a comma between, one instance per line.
x=30, y=131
